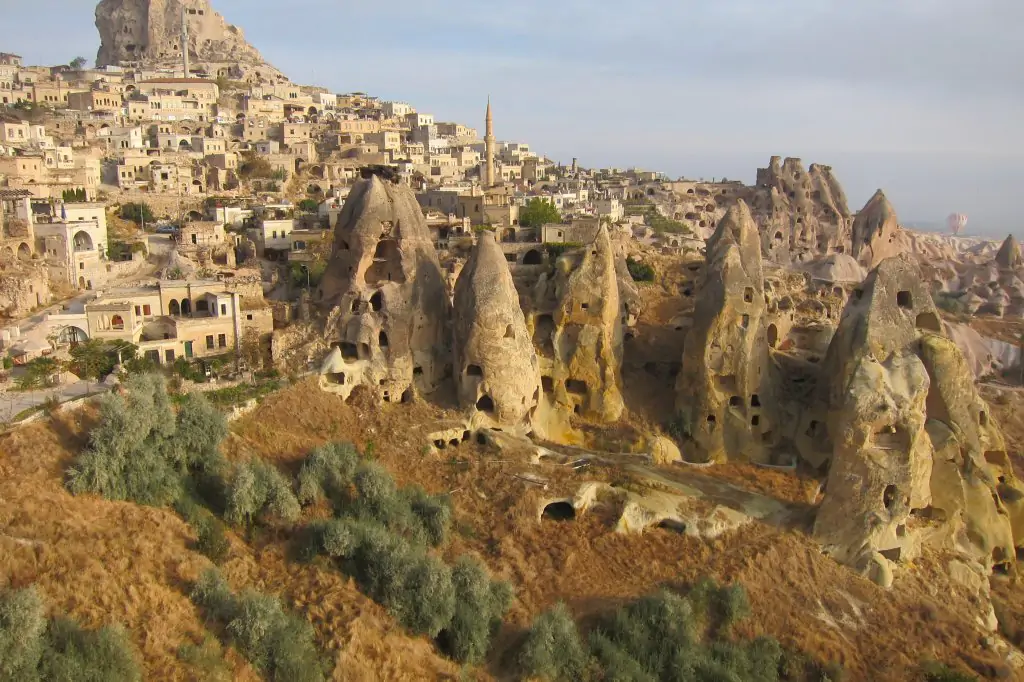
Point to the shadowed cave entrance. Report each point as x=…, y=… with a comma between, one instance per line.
x=559, y=511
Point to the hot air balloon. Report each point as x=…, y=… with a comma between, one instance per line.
x=956, y=222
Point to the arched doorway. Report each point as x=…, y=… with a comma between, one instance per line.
x=773, y=335
x=117, y=322
x=24, y=253
x=186, y=306
x=299, y=164
x=174, y=308
x=71, y=336
x=533, y=257
x=81, y=282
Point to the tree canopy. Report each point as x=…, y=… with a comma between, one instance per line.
x=537, y=212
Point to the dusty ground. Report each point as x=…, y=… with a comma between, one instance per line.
x=103, y=561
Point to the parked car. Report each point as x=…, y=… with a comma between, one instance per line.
x=167, y=229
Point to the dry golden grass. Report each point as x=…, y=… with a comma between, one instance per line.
x=102, y=561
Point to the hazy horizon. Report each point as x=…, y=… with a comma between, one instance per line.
x=924, y=103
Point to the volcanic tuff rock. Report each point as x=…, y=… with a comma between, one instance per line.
x=1008, y=257
x=874, y=231
x=915, y=455
x=580, y=339
x=389, y=311
x=801, y=214
x=150, y=31
x=721, y=390
x=497, y=367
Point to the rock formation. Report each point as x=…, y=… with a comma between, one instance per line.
x=875, y=230
x=495, y=362
x=721, y=391
x=149, y=31
x=1008, y=257
x=915, y=455
x=801, y=214
x=578, y=330
x=389, y=311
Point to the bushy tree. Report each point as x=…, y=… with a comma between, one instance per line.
x=309, y=205
x=538, y=212
x=640, y=272
x=22, y=630
x=276, y=642
x=141, y=450
x=33, y=648
x=553, y=649
x=73, y=653
x=480, y=606
x=137, y=212
x=258, y=489
x=327, y=473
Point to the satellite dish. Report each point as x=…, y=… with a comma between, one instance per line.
x=956, y=222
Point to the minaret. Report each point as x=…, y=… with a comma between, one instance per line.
x=184, y=40
x=489, y=143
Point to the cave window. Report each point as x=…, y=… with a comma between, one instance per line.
x=929, y=321
x=559, y=511
x=576, y=387
x=343, y=245
x=485, y=404
x=745, y=321
x=687, y=292
x=778, y=236
x=755, y=420
x=812, y=429
x=773, y=335
x=547, y=384
x=382, y=340
x=904, y=299
x=584, y=306
x=364, y=350
x=748, y=295
x=355, y=305
x=348, y=351
x=474, y=371
x=337, y=378
x=377, y=302
x=983, y=418
x=509, y=332
x=858, y=294
x=889, y=496
x=755, y=401
x=417, y=371
x=735, y=401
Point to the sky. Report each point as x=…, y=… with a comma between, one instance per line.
x=922, y=98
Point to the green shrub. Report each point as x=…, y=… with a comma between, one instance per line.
x=72, y=653
x=211, y=541
x=480, y=605
x=277, y=643
x=427, y=600
x=207, y=660
x=327, y=474
x=22, y=629
x=640, y=272
x=258, y=489
x=553, y=649
x=934, y=671
x=720, y=606
x=653, y=630
x=433, y=512
x=141, y=450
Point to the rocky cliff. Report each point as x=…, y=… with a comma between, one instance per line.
x=721, y=390
x=149, y=31
x=388, y=311
x=915, y=455
x=495, y=363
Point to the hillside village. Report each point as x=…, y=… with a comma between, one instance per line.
x=387, y=333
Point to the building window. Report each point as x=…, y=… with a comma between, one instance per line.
x=147, y=310
x=138, y=311
x=81, y=266
x=248, y=317
x=209, y=342
x=222, y=340
x=223, y=309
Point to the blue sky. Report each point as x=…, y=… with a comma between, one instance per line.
x=923, y=98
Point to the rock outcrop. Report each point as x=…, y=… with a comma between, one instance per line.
x=875, y=230
x=721, y=392
x=801, y=214
x=915, y=454
x=1008, y=257
x=149, y=31
x=388, y=309
x=495, y=362
x=578, y=330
